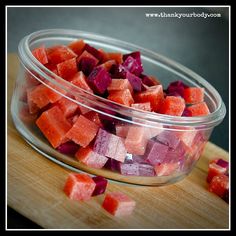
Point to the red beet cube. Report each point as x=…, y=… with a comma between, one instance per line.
x=96, y=53
x=69, y=148
x=132, y=66
x=101, y=184
x=135, y=81
x=99, y=79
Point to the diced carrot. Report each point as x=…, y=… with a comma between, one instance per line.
x=118, y=204
x=54, y=126
x=90, y=158
x=123, y=97
x=119, y=84
x=153, y=94
x=83, y=131
x=67, y=69
x=108, y=64
x=199, y=109
x=173, y=106
x=79, y=187
x=145, y=106
x=79, y=79
x=193, y=95
x=59, y=53
x=67, y=106
x=40, y=54
x=77, y=46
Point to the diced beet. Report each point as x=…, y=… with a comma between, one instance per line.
x=137, y=169
x=96, y=53
x=118, y=71
x=132, y=66
x=112, y=164
x=146, y=170
x=69, y=148
x=226, y=196
x=129, y=169
x=99, y=79
x=135, y=81
x=177, y=154
x=109, y=145
x=136, y=55
x=168, y=138
x=223, y=163
x=157, y=153
x=101, y=184
x=177, y=87
x=101, y=142
x=86, y=65
x=187, y=112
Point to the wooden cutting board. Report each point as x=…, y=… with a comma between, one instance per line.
x=34, y=189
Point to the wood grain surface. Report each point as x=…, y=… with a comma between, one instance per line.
x=34, y=189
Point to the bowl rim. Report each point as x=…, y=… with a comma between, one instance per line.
x=144, y=118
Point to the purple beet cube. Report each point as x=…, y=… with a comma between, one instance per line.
x=101, y=184
x=133, y=66
x=118, y=71
x=129, y=169
x=112, y=165
x=138, y=159
x=102, y=141
x=93, y=51
x=155, y=152
x=99, y=79
x=69, y=148
x=177, y=154
x=223, y=163
x=136, y=55
x=168, y=138
x=135, y=81
x=86, y=64
x=146, y=170
x=177, y=87
x=187, y=112
x=109, y=145
x=147, y=80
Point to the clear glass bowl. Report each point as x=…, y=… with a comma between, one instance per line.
x=176, y=142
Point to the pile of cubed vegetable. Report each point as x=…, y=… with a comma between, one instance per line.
x=99, y=141
x=81, y=187
x=218, y=178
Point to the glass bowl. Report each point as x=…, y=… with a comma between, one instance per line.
x=136, y=147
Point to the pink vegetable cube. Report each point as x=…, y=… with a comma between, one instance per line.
x=168, y=138
x=137, y=169
x=109, y=145
x=118, y=204
x=165, y=169
x=155, y=152
x=90, y=158
x=136, y=140
x=122, y=130
x=101, y=184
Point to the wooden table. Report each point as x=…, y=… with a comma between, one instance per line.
x=34, y=189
